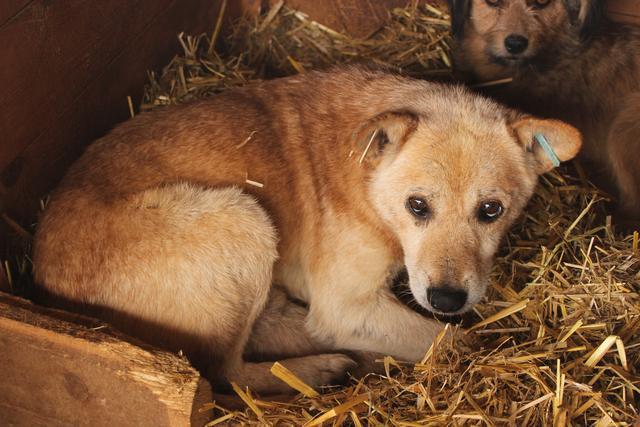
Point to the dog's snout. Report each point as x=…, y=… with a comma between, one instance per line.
x=516, y=43
x=446, y=299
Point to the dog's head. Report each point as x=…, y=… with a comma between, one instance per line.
x=494, y=37
x=449, y=180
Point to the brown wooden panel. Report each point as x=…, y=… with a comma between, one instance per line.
x=627, y=11
x=72, y=65
x=64, y=369
x=56, y=49
x=356, y=17
x=9, y=9
x=631, y=7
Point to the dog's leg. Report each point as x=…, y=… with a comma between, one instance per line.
x=623, y=147
x=280, y=332
x=351, y=306
x=315, y=371
x=376, y=323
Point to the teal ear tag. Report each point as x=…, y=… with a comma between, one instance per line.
x=540, y=139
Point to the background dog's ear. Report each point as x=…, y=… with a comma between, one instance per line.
x=459, y=11
x=383, y=133
x=564, y=140
x=586, y=15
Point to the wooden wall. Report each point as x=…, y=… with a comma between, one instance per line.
x=625, y=11
x=356, y=17
x=67, y=68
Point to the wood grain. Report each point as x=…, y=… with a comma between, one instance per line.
x=627, y=11
x=358, y=18
x=72, y=65
x=63, y=369
x=9, y=9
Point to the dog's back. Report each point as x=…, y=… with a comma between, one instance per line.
x=273, y=135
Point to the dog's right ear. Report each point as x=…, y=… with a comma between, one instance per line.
x=382, y=134
x=459, y=11
x=549, y=141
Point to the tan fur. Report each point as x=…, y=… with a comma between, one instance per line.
x=156, y=228
x=576, y=68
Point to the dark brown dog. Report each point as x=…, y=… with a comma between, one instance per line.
x=567, y=61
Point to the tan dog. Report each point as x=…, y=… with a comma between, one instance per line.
x=567, y=62
x=172, y=223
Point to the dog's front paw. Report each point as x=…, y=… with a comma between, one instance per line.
x=326, y=369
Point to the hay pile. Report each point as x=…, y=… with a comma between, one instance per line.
x=285, y=42
x=557, y=341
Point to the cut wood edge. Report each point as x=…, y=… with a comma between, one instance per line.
x=176, y=385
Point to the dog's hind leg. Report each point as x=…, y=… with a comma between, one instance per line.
x=623, y=147
x=280, y=330
x=279, y=334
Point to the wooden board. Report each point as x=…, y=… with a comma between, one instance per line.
x=10, y=8
x=62, y=369
x=627, y=11
x=68, y=68
x=358, y=18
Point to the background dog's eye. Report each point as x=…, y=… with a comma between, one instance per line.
x=490, y=210
x=418, y=207
x=493, y=3
x=542, y=3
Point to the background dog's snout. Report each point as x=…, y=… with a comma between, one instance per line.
x=446, y=299
x=515, y=43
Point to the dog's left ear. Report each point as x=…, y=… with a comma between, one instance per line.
x=459, y=11
x=549, y=141
x=586, y=15
x=383, y=134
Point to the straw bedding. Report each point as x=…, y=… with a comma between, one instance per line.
x=285, y=41
x=557, y=341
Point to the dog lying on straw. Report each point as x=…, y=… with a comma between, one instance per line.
x=175, y=225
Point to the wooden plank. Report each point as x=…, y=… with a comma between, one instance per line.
x=358, y=18
x=72, y=65
x=9, y=9
x=56, y=49
x=629, y=7
x=64, y=369
x=626, y=11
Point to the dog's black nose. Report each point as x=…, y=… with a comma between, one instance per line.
x=515, y=43
x=446, y=299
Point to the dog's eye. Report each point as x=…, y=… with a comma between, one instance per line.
x=490, y=211
x=541, y=3
x=418, y=207
x=493, y=3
